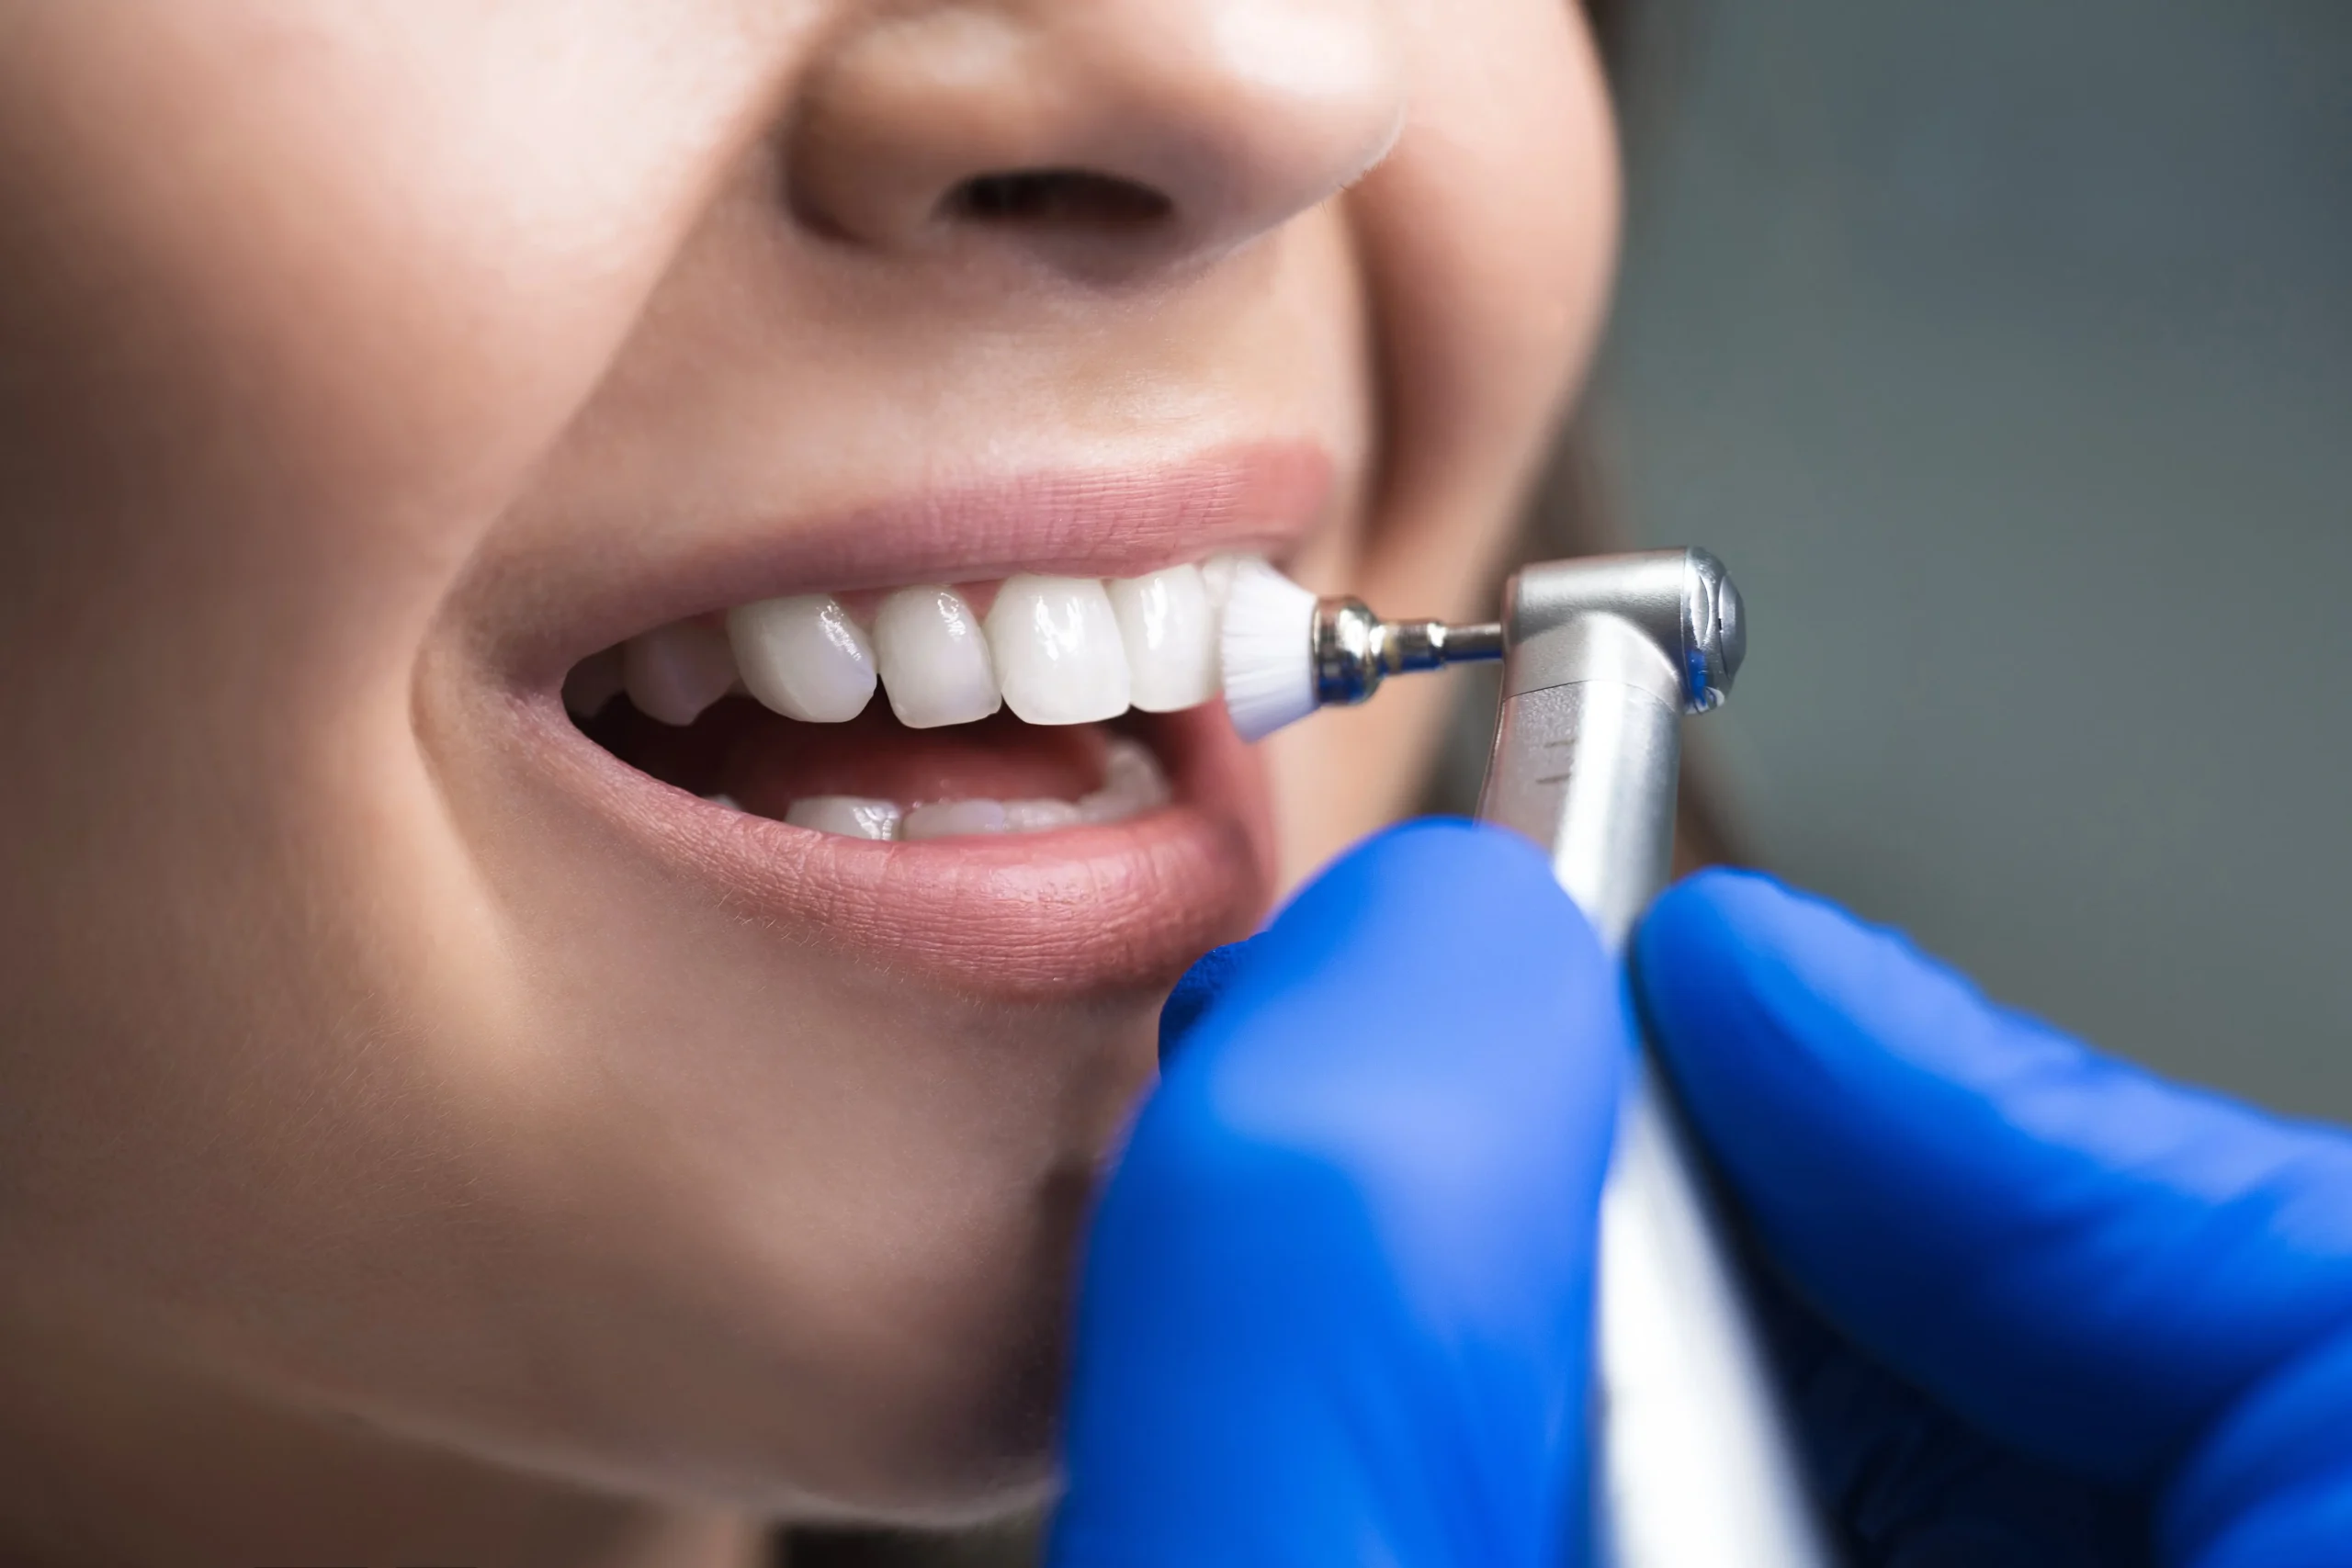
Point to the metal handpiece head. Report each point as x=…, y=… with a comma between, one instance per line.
x=1682, y=603
x=1714, y=631
x=1669, y=621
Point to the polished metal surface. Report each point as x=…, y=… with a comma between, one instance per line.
x=1714, y=631
x=1696, y=1465
x=1579, y=769
x=1699, y=1467
x=1453, y=645
x=1355, y=649
x=1682, y=602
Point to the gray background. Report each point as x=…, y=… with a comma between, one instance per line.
x=2004, y=351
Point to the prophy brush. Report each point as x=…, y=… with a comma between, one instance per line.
x=1696, y=1466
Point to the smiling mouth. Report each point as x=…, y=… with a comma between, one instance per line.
x=994, y=755
x=929, y=712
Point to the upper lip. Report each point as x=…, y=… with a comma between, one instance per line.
x=1107, y=521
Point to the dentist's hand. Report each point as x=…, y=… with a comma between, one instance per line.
x=2056, y=1310
x=2044, y=1309
x=1337, y=1302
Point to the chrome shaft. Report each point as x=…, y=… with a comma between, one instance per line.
x=1696, y=1466
x=1355, y=649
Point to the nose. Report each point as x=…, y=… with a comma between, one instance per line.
x=1101, y=134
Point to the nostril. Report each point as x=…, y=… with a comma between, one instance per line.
x=1117, y=140
x=1075, y=199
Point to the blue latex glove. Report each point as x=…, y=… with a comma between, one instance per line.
x=1337, y=1303
x=2055, y=1311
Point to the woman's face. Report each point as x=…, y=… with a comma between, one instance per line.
x=381, y=1042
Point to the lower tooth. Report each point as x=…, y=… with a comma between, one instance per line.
x=1132, y=785
x=1125, y=757
x=1107, y=805
x=852, y=817
x=954, y=818
x=1039, y=815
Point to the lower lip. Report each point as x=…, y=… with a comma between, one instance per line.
x=1072, y=910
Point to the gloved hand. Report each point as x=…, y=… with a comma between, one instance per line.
x=2040, y=1307
x=2054, y=1310
x=1337, y=1299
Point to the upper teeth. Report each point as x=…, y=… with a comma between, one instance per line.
x=934, y=658
x=674, y=672
x=1055, y=649
x=1057, y=652
x=1168, y=626
x=801, y=656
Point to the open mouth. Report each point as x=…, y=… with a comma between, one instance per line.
x=938, y=711
x=974, y=735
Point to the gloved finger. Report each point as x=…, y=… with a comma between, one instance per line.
x=1201, y=985
x=1909, y=1484
x=1337, y=1298
x=2080, y=1258
x=2271, y=1486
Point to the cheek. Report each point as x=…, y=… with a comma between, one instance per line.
x=263, y=392
x=279, y=341
x=1487, y=241
x=278, y=380
x=1488, y=236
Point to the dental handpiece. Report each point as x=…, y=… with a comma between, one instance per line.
x=1696, y=1465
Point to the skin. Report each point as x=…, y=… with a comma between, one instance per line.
x=397, y=1163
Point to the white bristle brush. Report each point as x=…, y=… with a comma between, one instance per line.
x=1287, y=653
x=1267, y=647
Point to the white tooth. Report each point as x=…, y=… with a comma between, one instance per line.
x=1166, y=626
x=954, y=818
x=1132, y=785
x=1058, y=653
x=592, y=683
x=847, y=815
x=1039, y=815
x=803, y=657
x=729, y=801
x=1126, y=758
x=934, y=658
x=674, y=672
x=1107, y=805
x=1216, y=580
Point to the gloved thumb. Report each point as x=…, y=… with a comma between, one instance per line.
x=1336, y=1303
